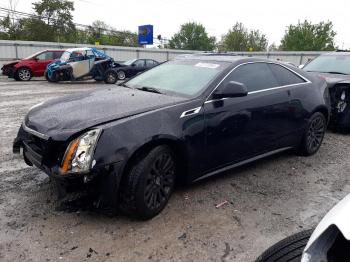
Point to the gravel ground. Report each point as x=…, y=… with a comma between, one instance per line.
x=268, y=200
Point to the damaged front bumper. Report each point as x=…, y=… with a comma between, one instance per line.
x=45, y=154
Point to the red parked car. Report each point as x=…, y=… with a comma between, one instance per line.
x=34, y=65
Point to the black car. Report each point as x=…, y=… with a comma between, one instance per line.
x=183, y=121
x=133, y=67
x=334, y=67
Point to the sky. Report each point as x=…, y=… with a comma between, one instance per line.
x=271, y=17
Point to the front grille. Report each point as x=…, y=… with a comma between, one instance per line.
x=37, y=144
x=49, y=152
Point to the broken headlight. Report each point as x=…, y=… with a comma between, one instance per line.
x=78, y=156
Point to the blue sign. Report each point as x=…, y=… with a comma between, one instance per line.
x=145, y=35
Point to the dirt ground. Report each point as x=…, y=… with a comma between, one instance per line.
x=268, y=200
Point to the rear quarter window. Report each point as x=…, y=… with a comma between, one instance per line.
x=285, y=76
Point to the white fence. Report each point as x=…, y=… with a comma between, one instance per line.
x=10, y=50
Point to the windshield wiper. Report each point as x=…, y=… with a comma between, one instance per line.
x=338, y=73
x=149, y=89
x=124, y=85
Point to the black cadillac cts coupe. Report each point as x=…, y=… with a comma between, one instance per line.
x=184, y=120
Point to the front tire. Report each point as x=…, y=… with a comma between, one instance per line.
x=121, y=75
x=23, y=74
x=289, y=249
x=51, y=80
x=314, y=135
x=148, y=185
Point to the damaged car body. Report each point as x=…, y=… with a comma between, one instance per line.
x=334, y=67
x=81, y=64
x=182, y=121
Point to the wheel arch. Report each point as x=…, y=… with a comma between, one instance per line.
x=23, y=66
x=322, y=109
x=175, y=144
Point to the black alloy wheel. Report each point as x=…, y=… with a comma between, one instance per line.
x=160, y=181
x=314, y=134
x=111, y=77
x=146, y=188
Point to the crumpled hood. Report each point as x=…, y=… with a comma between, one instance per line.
x=12, y=63
x=70, y=114
x=333, y=79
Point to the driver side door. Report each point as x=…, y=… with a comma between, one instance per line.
x=137, y=66
x=241, y=128
x=41, y=61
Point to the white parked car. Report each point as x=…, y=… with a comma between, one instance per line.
x=329, y=242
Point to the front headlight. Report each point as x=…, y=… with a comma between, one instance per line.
x=78, y=156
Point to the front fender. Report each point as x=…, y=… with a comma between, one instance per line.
x=325, y=233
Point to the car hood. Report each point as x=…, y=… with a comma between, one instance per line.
x=67, y=115
x=12, y=63
x=333, y=79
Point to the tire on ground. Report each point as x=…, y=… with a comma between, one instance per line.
x=134, y=182
x=53, y=78
x=111, y=77
x=121, y=74
x=316, y=127
x=19, y=70
x=289, y=249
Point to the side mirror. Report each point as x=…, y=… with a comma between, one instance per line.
x=301, y=66
x=133, y=65
x=231, y=89
x=35, y=59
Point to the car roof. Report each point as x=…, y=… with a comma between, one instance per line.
x=220, y=57
x=78, y=49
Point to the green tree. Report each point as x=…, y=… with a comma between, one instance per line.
x=306, y=36
x=100, y=32
x=192, y=36
x=58, y=16
x=238, y=38
x=52, y=21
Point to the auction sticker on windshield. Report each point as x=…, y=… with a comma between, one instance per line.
x=207, y=65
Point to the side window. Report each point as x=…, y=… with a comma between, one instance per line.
x=285, y=76
x=89, y=54
x=256, y=76
x=76, y=56
x=150, y=63
x=45, y=56
x=57, y=55
x=139, y=63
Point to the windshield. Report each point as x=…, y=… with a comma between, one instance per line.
x=129, y=62
x=330, y=64
x=184, y=77
x=34, y=55
x=65, y=56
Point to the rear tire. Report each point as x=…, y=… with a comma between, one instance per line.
x=111, y=77
x=289, y=249
x=313, y=136
x=23, y=74
x=147, y=187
